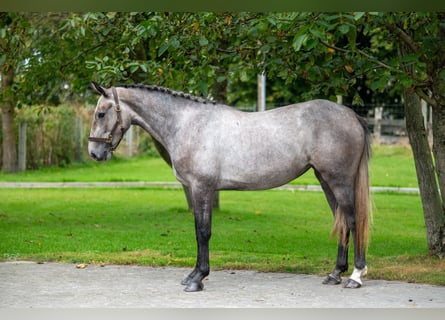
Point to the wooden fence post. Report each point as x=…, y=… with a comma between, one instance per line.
x=378, y=115
x=22, y=147
x=129, y=141
x=339, y=99
x=261, y=80
x=78, y=151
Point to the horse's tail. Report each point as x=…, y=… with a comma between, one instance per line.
x=362, y=199
x=362, y=194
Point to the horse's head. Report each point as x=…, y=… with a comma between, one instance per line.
x=109, y=124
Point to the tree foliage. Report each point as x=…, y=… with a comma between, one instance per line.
x=305, y=55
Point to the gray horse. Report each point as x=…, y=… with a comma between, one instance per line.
x=215, y=147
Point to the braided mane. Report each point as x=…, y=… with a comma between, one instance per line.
x=167, y=91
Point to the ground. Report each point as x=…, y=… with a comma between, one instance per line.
x=49, y=285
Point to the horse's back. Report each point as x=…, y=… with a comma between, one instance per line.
x=267, y=149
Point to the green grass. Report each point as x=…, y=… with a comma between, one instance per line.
x=117, y=169
x=267, y=230
x=390, y=166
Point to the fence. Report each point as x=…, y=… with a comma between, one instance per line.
x=388, y=126
x=58, y=136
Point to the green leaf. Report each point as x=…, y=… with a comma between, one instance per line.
x=298, y=41
x=358, y=15
x=266, y=48
x=162, y=49
x=203, y=41
x=311, y=43
x=133, y=68
x=357, y=100
x=378, y=84
x=344, y=28
x=352, y=37
x=318, y=33
x=175, y=43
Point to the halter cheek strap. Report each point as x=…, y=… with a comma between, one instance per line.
x=118, y=124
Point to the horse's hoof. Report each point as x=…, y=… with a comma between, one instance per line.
x=194, y=287
x=330, y=279
x=352, y=284
x=186, y=281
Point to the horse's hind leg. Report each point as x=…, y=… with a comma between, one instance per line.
x=347, y=208
x=342, y=254
x=360, y=268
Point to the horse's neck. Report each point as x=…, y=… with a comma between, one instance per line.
x=153, y=112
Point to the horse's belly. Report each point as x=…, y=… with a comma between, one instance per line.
x=259, y=177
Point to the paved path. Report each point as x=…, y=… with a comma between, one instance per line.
x=175, y=185
x=31, y=285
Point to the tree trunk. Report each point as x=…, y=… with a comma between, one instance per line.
x=437, y=74
x=437, y=241
x=8, y=115
x=431, y=201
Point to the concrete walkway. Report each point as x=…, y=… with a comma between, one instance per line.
x=174, y=185
x=32, y=285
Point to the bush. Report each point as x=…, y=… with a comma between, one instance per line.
x=57, y=136
x=50, y=135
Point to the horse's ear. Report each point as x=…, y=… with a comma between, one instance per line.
x=98, y=88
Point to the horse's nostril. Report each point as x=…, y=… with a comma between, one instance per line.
x=94, y=156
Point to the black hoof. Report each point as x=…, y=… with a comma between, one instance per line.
x=352, y=284
x=186, y=281
x=194, y=287
x=332, y=280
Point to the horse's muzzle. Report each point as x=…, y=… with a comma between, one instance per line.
x=100, y=156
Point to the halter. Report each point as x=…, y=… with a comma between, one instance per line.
x=109, y=139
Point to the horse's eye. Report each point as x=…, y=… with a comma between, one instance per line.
x=100, y=115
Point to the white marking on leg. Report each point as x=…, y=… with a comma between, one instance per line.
x=357, y=273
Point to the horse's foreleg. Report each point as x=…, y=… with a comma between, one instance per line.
x=203, y=222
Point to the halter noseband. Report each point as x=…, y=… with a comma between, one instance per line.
x=109, y=139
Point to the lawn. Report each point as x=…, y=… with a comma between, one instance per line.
x=264, y=230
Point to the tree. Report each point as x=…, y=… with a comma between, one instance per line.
x=309, y=54
x=32, y=70
x=10, y=46
x=429, y=86
x=390, y=52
